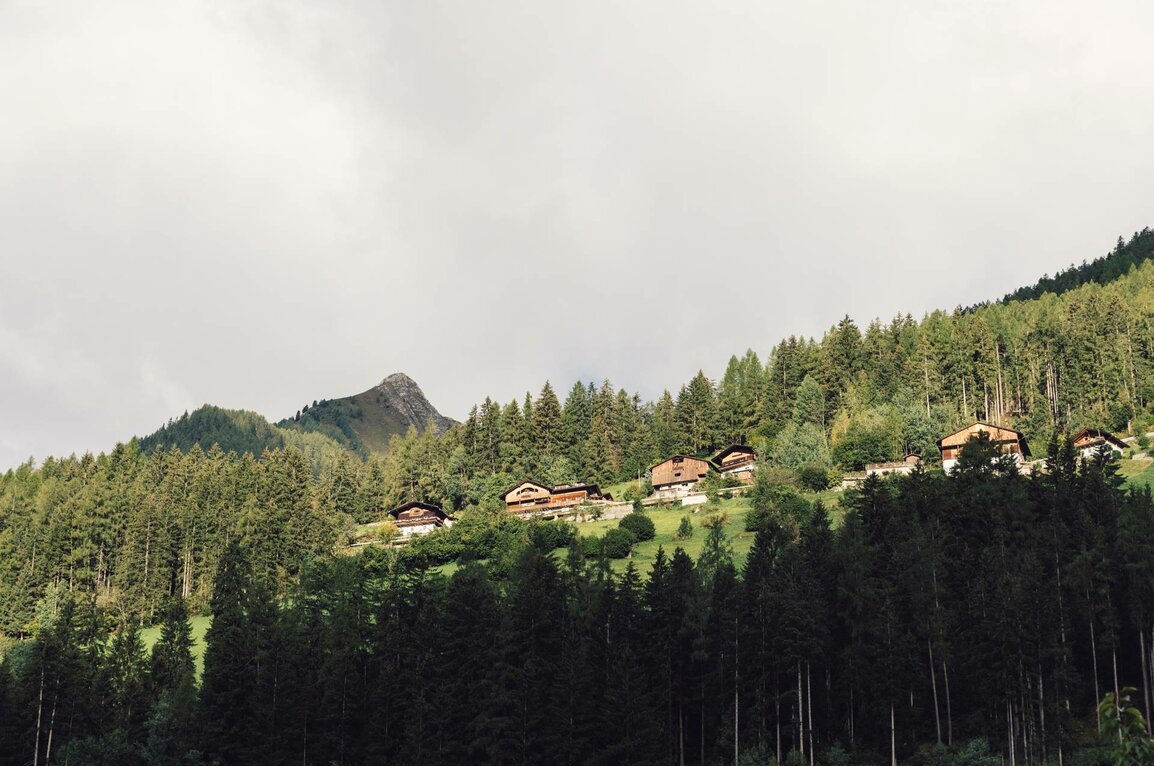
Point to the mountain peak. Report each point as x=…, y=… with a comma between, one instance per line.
x=398, y=379
x=402, y=394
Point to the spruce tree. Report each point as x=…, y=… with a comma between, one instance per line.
x=227, y=722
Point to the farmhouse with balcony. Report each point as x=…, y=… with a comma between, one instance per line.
x=417, y=518
x=533, y=497
x=1007, y=440
x=1089, y=440
x=738, y=461
x=676, y=476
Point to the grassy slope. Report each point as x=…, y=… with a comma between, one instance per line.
x=199, y=626
x=666, y=520
x=1138, y=473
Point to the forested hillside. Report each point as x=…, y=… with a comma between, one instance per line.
x=969, y=620
x=234, y=430
x=1109, y=267
x=1059, y=363
x=133, y=527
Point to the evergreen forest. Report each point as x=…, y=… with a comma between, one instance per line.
x=972, y=619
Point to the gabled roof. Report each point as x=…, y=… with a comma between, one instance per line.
x=429, y=507
x=997, y=434
x=523, y=482
x=591, y=489
x=1098, y=433
x=731, y=449
x=684, y=457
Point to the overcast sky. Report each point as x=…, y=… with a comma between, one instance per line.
x=261, y=204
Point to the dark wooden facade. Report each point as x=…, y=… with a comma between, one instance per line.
x=1089, y=440
x=533, y=497
x=1007, y=440
x=418, y=514
x=679, y=471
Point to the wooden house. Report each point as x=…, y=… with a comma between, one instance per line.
x=902, y=467
x=677, y=475
x=533, y=497
x=738, y=461
x=1007, y=440
x=1089, y=440
x=417, y=518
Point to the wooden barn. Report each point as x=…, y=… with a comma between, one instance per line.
x=417, y=518
x=1088, y=440
x=534, y=497
x=738, y=461
x=677, y=475
x=1007, y=440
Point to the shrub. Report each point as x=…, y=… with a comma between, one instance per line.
x=813, y=477
x=617, y=543
x=684, y=529
x=640, y=525
x=550, y=535
x=638, y=491
x=386, y=532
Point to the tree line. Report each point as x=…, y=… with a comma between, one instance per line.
x=969, y=619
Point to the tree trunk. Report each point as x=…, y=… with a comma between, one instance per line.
x=893, y=738
x=776, y=718
x=934, y=686
x=680, y=733
x=949, y=710
x=800, y=715
x=39, y=712
x=809, y=709
x=52, y=724
x=1094, y=654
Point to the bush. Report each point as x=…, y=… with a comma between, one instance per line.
x=640, y=525
x=638, y=492
x=813, y=477
x=550, y=535
x=782, y=504
x=685, y=529
x=617, y=543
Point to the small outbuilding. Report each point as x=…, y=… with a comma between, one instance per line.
x=902, y=467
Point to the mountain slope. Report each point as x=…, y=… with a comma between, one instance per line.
x=233, y=430
x=365, y=422
x=1108, y=268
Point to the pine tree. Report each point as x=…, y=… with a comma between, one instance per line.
x=228, y=726
x=547, y=426
x=172, y=688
